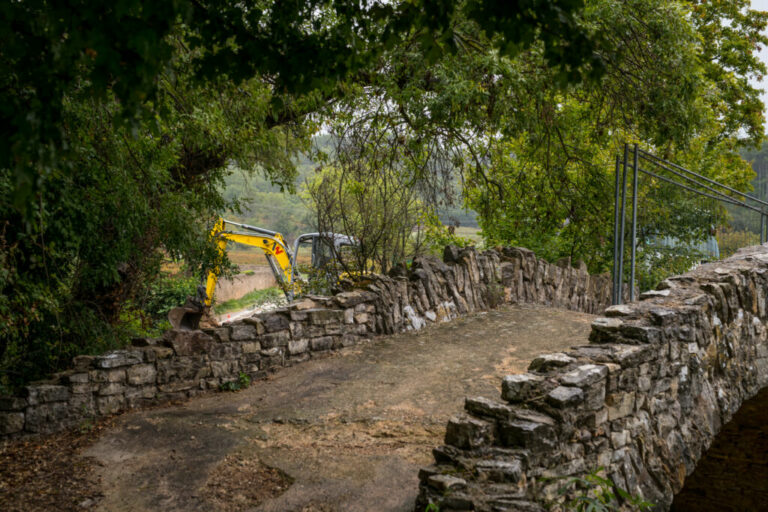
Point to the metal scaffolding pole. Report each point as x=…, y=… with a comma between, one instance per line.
x=614, y=273
x=622, y=221
x=634, y=228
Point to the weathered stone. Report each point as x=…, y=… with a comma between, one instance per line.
x=275, y=322
x=468, y=433
x=11, y=422
x=117, y=358
x=620, y=405
x=83, y=363
x=162, y=352
x=584, y=375
x=520, y=387
x=499, y=470
x=187, y=343
x=44, y=393
x=565, y=396
x=298, y=346
x=349, y=316
x=529, y=434
x=242, y=332
x=275, y=339
x=323, y=343
x=325, y=316
x=546, y=362
x=254, y=321
x=141, y=374
x=445, y=483
x=13, y=403
x=481, y=406
x=110, y=404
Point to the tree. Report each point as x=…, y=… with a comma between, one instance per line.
x=536, y=155
x=72, y=275
x=120, y=50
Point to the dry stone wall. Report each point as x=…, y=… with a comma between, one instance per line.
x=183, y=364
x=643, y=400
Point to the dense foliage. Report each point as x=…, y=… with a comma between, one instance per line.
x=80, y=269
x=536, y=157
x=120, y=127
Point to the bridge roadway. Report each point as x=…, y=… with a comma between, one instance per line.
x=344, y=433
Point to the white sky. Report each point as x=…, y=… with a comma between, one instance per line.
x=762, y=5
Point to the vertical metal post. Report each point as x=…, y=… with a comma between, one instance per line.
x=622, y=222
x=634, y=229
x=762, y=227
x=614, y=270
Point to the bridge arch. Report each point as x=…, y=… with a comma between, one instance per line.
x=660, y=379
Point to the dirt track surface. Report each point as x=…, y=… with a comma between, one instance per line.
x=344, y=433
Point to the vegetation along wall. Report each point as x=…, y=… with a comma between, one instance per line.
x=183, y=364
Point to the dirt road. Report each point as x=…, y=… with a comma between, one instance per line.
x=345, y=433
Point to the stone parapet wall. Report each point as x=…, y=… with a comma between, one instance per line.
x=643, y=400
x=183, y=364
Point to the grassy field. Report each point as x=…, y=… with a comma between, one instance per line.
x=254, y=298
x=471, y=233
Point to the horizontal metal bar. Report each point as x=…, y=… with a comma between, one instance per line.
x=725, y=199
x=693, y=180
x=251, y=228
x=655, y=160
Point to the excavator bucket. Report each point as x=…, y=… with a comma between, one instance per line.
x=185, y=318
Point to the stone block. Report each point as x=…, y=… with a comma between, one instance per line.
x=565, y=396
x=112, y=388
x=297, y=330
x=468, y=433
x=242, y=332
x=110, y=404
x=11, y=422
x=353, y=298
x=333, y=329
x=520, y=387
x=44, y=393
x=348, y=340
x=349, y=316
x=326, y=316
x=83, y=363
x=13, y=403
x=275, y=339
x=529, y=434
x=141, y=374
x=499, y=470
x=481, y=406
x=188, y=343
x=445, y=483
x=45, y=418
x=117, y=358
x=547, y=362
x=253, y=321
x=251, y=347
x=620, y=405
x=223, y=368
x=275, y=322
x=107, y=376
x=78, y=378
x=584, y=376
x=298, y=346
x=162, y=352
x=322, y=343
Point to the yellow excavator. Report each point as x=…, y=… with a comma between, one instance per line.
x=282, y=260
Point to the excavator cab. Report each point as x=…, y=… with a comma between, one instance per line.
x=323, y=247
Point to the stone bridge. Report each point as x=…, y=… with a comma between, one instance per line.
x=654, y=389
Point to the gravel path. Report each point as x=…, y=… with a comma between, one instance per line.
x=345, y=433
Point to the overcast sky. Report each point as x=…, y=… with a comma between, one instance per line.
x=762, y=5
